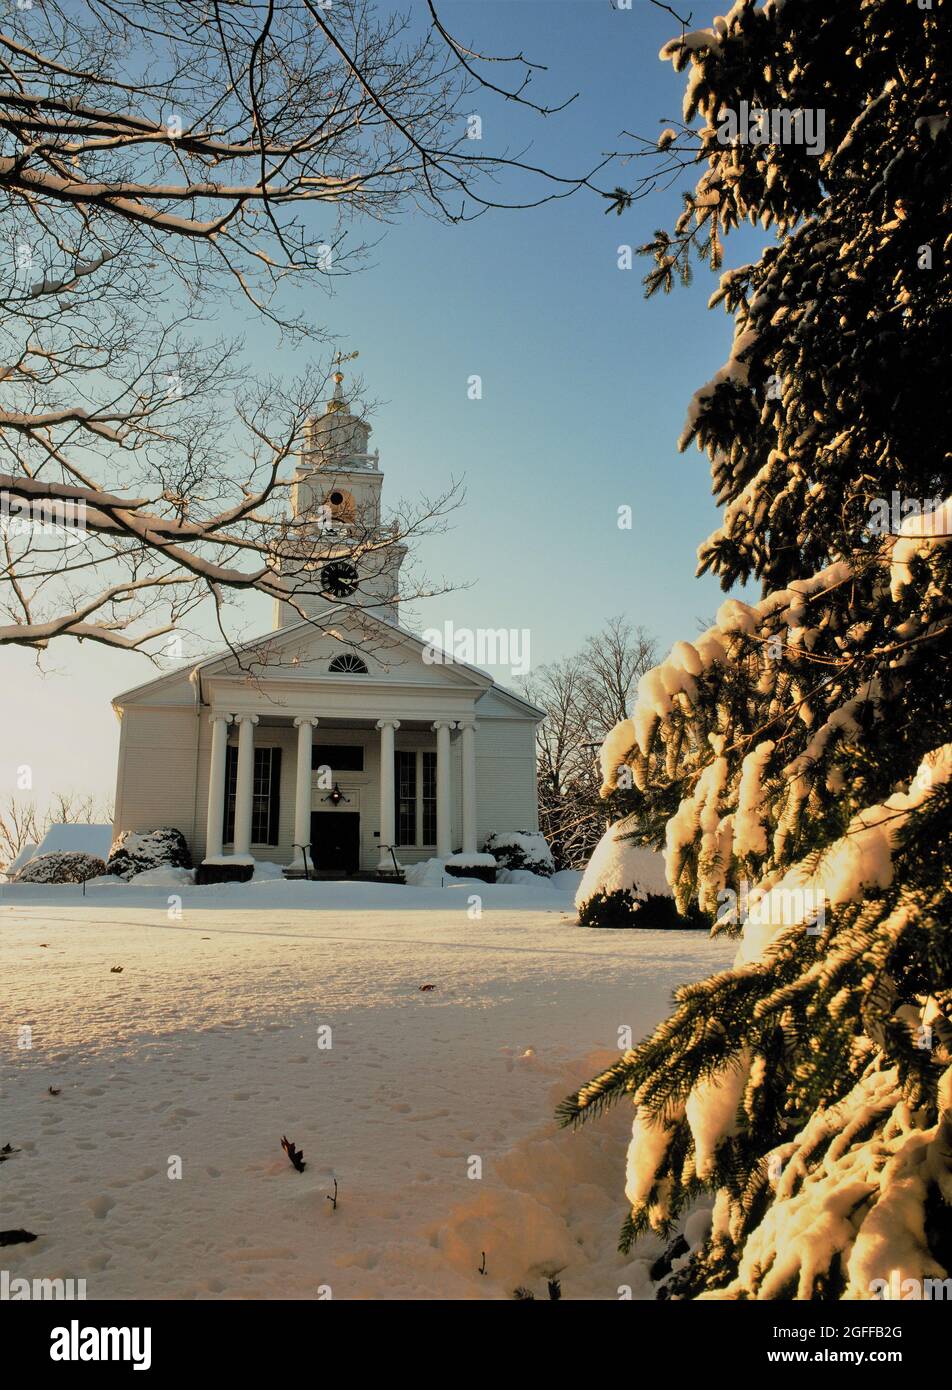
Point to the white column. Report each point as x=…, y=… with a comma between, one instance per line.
x=388, y=728
x=246, y=774
x=468, y=735
x=444, y=809
x=302, y=790
x=216, y=786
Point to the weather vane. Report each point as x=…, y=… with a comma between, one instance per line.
x=339, y=359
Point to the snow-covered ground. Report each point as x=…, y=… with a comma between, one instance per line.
x=210, y=1044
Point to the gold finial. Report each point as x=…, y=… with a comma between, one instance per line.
x=337, y=401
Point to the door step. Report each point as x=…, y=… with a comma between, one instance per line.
x=333, y=876
x=319, y=875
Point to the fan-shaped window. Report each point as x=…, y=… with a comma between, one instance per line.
x=350, y=663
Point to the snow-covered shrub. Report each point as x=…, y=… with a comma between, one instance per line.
x=472, y=866
x=618, y=864
x=520, y=849
x=136, y=851
x=616, y=908
x=70, y=866
x=620, y=908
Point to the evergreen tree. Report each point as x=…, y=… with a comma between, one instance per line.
x=795, y=761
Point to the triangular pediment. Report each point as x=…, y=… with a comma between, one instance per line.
x=306, y=652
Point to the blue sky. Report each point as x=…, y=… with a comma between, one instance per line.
x=585, y=386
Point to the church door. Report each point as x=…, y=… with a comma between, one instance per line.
x=335, y=841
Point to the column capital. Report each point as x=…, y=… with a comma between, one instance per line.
x=443, y=724
x=466, y=723
x=246, y=719
x=217, y=715
x=388, y=723
x=305, y=719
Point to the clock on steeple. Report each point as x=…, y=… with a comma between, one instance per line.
x=335, y=492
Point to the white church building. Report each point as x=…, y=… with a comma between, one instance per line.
x=351, y=744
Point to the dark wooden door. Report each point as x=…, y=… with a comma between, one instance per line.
x=335, y=841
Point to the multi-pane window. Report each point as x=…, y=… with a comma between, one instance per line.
x=429, y=798
x=231, y=791
x=405, y=791
x=265, y=789
x=415, y=797
x=265, y=795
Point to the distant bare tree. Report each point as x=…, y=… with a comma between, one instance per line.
x=156, y=158
x=18, y=828
x=21, y=824
x=584, y=696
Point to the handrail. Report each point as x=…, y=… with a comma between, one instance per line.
x=397, y=868
x=304, y=849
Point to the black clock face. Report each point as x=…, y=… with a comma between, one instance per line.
x=339, y=578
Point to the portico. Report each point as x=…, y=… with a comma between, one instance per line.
x=364, y=786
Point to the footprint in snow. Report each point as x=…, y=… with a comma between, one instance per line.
x=100, y=1206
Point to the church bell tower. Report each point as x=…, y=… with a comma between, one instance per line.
x=337, y=555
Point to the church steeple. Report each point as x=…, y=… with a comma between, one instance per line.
x=336, y=492
x=338, y=438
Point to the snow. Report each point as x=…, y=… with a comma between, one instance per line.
x=858, y=860
x=615, y=751
x=734, y=370
x=429, y=873
x=868, y=109
x=27, y=852
x=524, y=876
x=693, y=42
x=520, y=849
x=649, y=1144
x=750, y=830
x=917, y=536
x=266, y=872
x=935, y=125
x=207, y=1046
x=861, y=1199
x=700, y=811
x=619, y=863
x=164, y=876
x=471, y=861
x=711, y=1111
x=82, y=839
